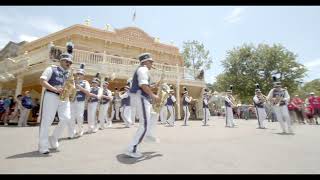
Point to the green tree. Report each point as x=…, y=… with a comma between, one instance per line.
x=196, y=56
x=247, y=65
x=312, y=86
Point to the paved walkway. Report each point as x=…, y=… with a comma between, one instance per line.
x=191, y=149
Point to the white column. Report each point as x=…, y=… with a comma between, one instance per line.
x=19, y=85
x=178, y=93
x=41, y=99
x=1, y=86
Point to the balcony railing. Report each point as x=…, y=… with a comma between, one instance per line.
x=98, y=62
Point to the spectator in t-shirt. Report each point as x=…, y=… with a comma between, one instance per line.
x=7, y=104
x=17, y=109
x=309, y=114
x=298, y=108
x=2, y=110
x=313, y=102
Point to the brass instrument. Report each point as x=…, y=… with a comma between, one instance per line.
x=163, y=93
x=69, y=88
x=279, y=99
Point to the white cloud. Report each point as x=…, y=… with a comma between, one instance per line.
x=313, y=64
x=235, y=15
x=45, y=24
x=24, y=37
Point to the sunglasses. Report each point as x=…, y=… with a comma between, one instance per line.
x=68, y=62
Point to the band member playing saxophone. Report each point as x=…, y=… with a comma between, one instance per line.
x=280, y=98
x=229, y=104
x=53, y=80
x=125, y=106
x=140, y=96
x=205, y=103
x=259, y=101
x=186, y=99
x=93, y=104
x=78, y=104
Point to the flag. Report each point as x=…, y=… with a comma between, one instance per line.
x=134, y=16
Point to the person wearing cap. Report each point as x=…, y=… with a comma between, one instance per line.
x=205, y=107
x=133, y=108
x=258, y=102
x=163, y=113
x=229, y=104
x=140, y=96
x=314, y=102
x=26, y=103
x=93, y=104
x=105, y=99
x=78, y=105
x=170, y=106
x=280, y=98
x=125, y=107
x=186, y=99
x=53, y=79
x=117, y=104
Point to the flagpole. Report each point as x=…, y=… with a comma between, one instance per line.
x=134, y=18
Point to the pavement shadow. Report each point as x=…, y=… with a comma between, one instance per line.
x=129, y=160
x=284, y=133
x=120, y=128
x=68, y=139
x=32, y=154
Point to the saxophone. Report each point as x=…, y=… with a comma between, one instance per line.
x=163, y=93
x=69, y=88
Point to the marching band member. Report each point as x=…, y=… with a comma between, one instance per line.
x=117, y=104
x=92, y=104
x=258, y=101
x=163, y=114
x=77, y=106
x=229, y=104
x=53, y=79
x=140, y=94
x=106, y=97
x=170, y=106
x=185, y=102
x=205, y=103
x=280, y=98
x=126, y=108
x=133, y=109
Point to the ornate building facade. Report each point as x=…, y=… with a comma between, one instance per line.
x=104, y=51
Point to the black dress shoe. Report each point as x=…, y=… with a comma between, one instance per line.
x=46, y=152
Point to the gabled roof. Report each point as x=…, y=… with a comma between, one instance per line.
x=130, y=35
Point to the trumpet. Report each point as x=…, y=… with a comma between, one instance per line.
x=262, y=98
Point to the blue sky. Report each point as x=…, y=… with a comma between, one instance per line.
x=220, y=28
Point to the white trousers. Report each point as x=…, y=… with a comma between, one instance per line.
x=163, y=114
x=143, y=109
x=50, y=105
x=283, y=117
x=117, y=109
x=115, y=112
x=186, y=114
x=172, y=116
x=126, y=115
x=103, y=114
x=229, y=117
x=92, y=115
x=261, y=116
x=133, y=114
x=206, y=115
x=24, y=114
x=77, y=111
